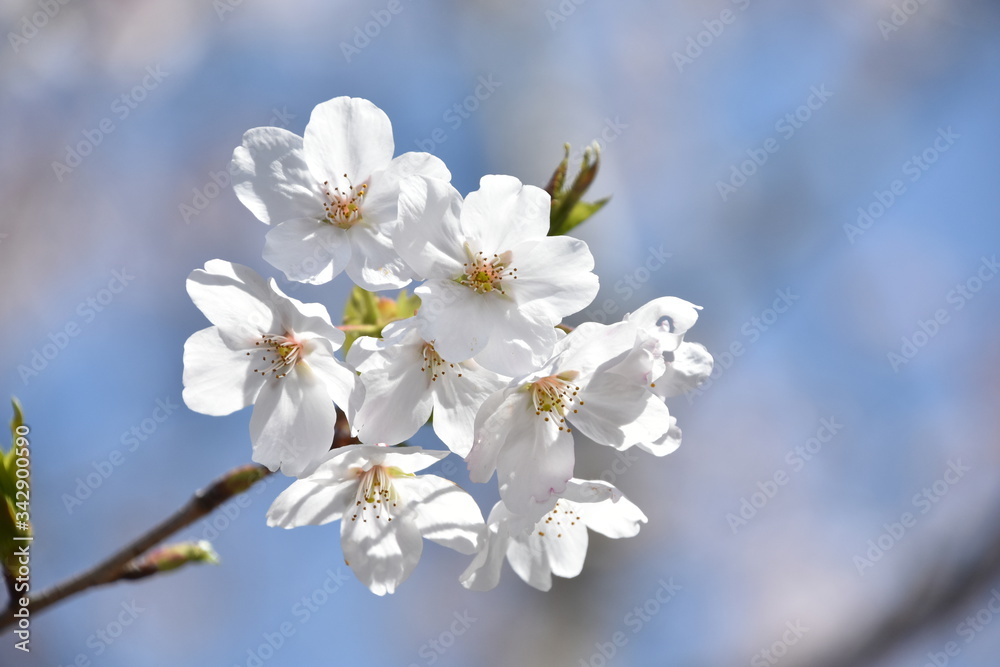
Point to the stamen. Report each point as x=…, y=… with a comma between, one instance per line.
x=376, y=497
x=555, y=395
x=280, y=354
x=486, y=274
x=343, y=207
x=433, y=364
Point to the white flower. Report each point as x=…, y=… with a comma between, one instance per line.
x=524, y=432
x=271, y=351
x=384, y=510
x=557, y=542
x=664, y=361
x=679, y=366
x=405, y=379
x=332, y=194
x=496, y=284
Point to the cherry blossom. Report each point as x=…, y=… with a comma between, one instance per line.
x=406, y=378
x=270, y=351
x=331, y=194
x=385, y=510
x=557, y=542
x=496, y=285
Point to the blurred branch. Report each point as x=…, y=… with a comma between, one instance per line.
x=120, y=564
x=129, y=563
x=940, y=591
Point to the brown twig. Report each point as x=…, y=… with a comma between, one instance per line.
x=115, y=567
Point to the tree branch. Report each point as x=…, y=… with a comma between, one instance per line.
x=937, y=594
x=115, y=567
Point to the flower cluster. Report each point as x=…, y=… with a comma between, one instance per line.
x=486, y=356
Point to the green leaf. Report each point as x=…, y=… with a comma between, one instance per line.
x=8, y=494
x=366, y=314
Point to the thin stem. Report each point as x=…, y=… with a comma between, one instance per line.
x=116, y=566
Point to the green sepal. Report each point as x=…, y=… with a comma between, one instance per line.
x=568, y=208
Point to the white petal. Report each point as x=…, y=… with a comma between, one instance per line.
x=307, y=502
x=429, y=236
x=410, y=459
x=668, y=443
x=483, y=573
x=375, y=264
x=341, y=382
x=271, y=178
x=491, y=429
x=307, y=250
x=458, y=395
x=554, y=275
x=397, y=396
x=379, y=205
x=690, y=367
x=293, y=422
x=610, y=403
x=563, y=540
x=667, y=319
x=217, y=380
x=455, y=318
x=517, y=344
x=234, y=298
x=381, y=553
x=442, y=512
x=530, y=562
x=535, y=463
x=592, y=345
x=616, y=519
x=347, y=135
x=504, y=213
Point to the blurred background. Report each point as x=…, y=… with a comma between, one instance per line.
x=821, y=177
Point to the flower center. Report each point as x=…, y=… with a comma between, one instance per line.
x=486, y=274
x=434, y=365
x=279, y=354
x=343, y=207
x=555, y=395
x=376, y=498
x=559, y=516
